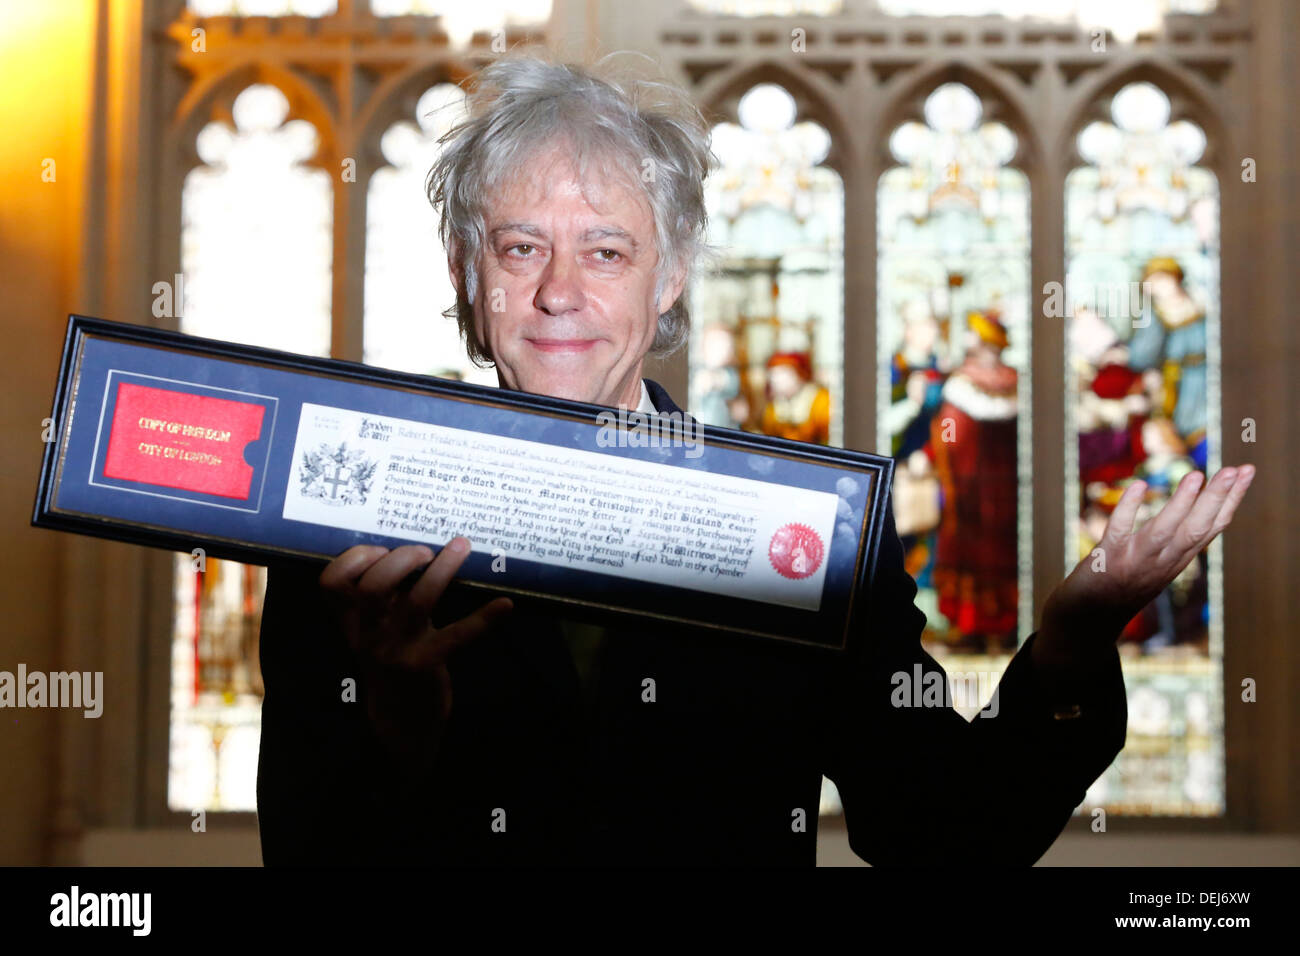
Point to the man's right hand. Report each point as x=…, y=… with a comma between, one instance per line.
x=403, y=656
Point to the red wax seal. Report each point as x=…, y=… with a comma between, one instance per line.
x=796, y=551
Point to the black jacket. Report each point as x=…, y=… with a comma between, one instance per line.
x=715, y=771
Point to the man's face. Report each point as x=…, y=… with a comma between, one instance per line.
x=565, y=304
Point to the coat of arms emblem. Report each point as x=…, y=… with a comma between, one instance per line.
x=336, y=474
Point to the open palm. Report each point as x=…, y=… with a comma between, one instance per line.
x=1132, y=564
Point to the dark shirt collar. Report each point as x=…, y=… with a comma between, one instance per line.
x=662, y=400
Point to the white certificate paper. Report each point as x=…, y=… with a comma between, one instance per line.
x=582, y=510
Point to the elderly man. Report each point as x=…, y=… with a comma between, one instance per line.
x=573, y=215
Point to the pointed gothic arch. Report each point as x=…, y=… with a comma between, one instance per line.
x=1190, y=98
x=394, y=99
x=719, y=94
x=1005, y=102
x=211, y=97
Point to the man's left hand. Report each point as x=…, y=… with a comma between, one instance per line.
x=1085, y=614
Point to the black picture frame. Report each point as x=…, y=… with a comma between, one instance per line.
x=73, y=402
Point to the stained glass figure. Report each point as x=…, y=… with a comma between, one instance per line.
x=953, y=348
x=973, y=449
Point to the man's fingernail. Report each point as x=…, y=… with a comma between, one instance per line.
x=1231, y=476
x=458, y=545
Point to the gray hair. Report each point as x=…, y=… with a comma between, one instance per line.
x=647, y=132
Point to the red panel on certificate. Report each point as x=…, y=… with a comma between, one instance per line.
x=178, y=440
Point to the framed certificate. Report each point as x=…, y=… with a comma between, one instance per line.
x=179, y=442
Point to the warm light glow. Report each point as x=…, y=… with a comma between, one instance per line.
x=40, y=45
x=46, y=61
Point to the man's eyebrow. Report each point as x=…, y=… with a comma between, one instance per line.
x=607, y=232
x=527, y=228
x=595, y=232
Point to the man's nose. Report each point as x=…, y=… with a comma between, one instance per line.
x=560, y=289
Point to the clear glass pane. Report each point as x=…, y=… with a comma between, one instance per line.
x=952, y=108
x=768, y=8
x=256, y=249
x=766, y=349
x=514, y=11
x=1083, y=10
x=462, y=20
x=1142, y=296
x=1140, y=108
x=263, y=8
x=953, y=376
x=256, y=239
x=407, y=285
x=1122, y=19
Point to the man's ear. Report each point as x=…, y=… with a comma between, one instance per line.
x=454, y=268
x=672, y=292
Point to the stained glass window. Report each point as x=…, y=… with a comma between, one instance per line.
x=407, y=285
x=255, y=262
x=1142, y=296
x=767, y=344
x=767, y=340
x=216, y=698
x=953, y=377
